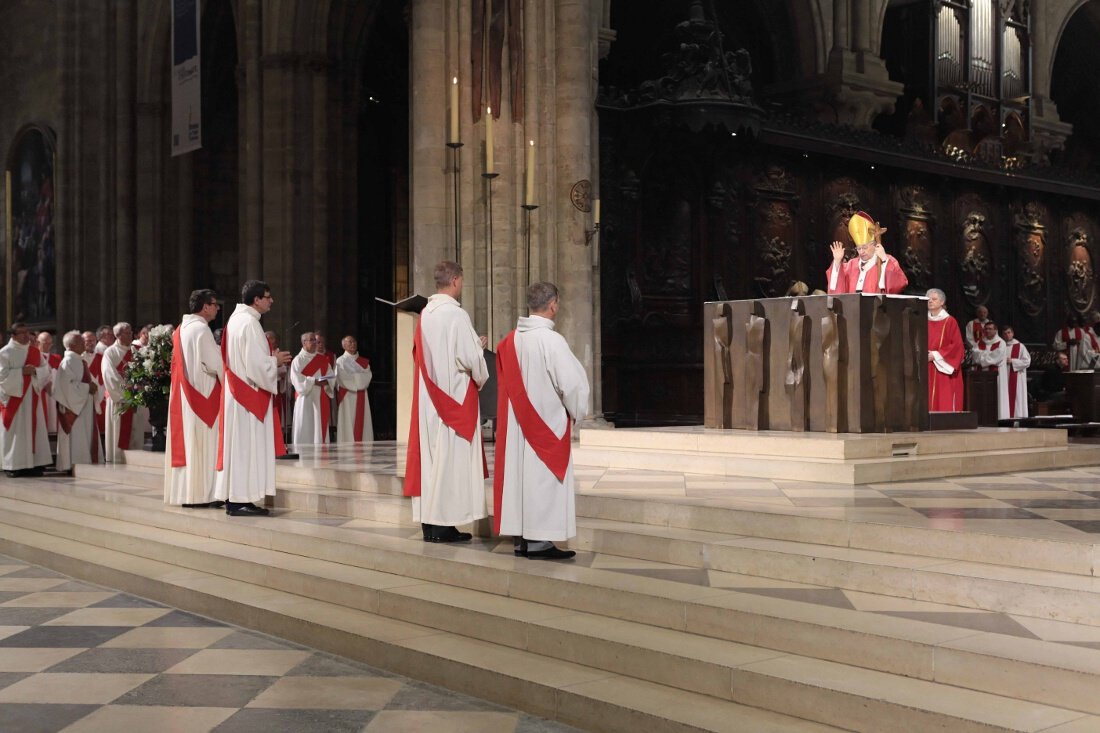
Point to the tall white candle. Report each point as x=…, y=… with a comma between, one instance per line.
x=596, y=211
x=529, y=189
x=489, y=140
x=453, y=138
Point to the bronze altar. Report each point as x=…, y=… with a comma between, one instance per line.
x=823, y=363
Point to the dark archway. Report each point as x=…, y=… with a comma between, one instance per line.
x=1075, y=87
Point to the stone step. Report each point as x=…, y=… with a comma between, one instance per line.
x=822, y=691
x=121, y=474
x=1036, y=593
x=987, y=662
x=572, y=693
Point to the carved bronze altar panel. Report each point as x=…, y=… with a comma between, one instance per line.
x=844, y=363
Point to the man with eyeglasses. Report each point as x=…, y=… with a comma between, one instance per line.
x=24, y=372
x=251, y=436
x=193, y=405
x=873, y=271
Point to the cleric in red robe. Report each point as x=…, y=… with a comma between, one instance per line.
x=945, y=357
x=873, y=271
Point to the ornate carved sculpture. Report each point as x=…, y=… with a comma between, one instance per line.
x=977, y=264
x=912, y=368
x=834, y=364
x=723, y=378
x=755, y=366
x=775, y=231
x=840, y=210
x=1030, y=253
x=880, y=330
x=915, y=214
x=798, y=354
x=1079, y=272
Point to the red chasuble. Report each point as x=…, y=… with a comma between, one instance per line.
x=1013, y=377
x=7, y=411
x=459, y=417
x=848, y=277
x=360, y=404
x=255, y=400
x=205, y=407
x=552, y=450
x=317, y=365
x=945, y=391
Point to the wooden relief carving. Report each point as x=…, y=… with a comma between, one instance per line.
x=976, y=265
x=1030, y=258
x=840, y=210
x=1079, y=272
x=775, y=232
x=914, y=212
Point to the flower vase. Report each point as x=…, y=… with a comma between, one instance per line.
x=158, y=421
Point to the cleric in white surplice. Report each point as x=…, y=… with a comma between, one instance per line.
x=444, y=469
x=353, y=375
x=124, y=429
x=76, y=393
x=193, y=406
x=23, y=374
x=250, y=433
x=311, y=377
x=542, y=390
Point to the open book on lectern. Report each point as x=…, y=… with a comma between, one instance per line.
x=412, y=304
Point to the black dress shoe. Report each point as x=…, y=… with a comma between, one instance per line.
x=429, y=532
x=205, y=505
x=519, y=547
x=448, y=534
x=245, y=510
x=550, y=553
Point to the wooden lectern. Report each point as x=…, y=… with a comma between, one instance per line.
x=828, y=363
x=407, y=312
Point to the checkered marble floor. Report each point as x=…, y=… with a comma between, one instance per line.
x=79, y=658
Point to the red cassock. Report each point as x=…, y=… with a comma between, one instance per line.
x=849, y=276
x=945, y=391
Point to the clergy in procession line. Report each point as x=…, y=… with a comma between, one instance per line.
x=250, y=433
x=124, y=429
x=945, y=357
x=23, y=373
x=445, y=467
x=105, y=338
x=873, y=271
x=75, y=391
x=89, y=346
x=322, y=349
x=280, y=384
x=1078, y=343
x=990, y=353
x=193, y=405
x=542, y=391
x=311, y=377
x=353, y=375
x=1012, y=381
x=93, y=355
x=975, y=327
x=49, y=404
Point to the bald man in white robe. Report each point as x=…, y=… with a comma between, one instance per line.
x=353, y=376
x=76, y=393
x=312, y=380
x=123, y=430
x=24, y=443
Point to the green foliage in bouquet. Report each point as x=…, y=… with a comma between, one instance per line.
x=149, y=373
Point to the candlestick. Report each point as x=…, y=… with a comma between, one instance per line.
x=596, y=212
x=489, y=140
x=454, y=111
x=529, y=189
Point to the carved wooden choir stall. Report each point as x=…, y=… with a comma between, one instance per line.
x=826, y=363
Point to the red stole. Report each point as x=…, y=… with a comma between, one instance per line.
x=255, y=400
x=983, y=347
x=461, y=418
x=1013, y=354
x=318, y=364
x=8, y=411
x=126, y=417
x=552, y=451
x=66, y=418
x=54, y=360
x=360, y=404
x=976, y=328
x=205, y=407
x=96, y=369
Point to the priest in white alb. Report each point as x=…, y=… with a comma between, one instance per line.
x=353, y=375
x=311, y=379
x=990, y=355
x=542, y=392
x=1012, y=381
x=193, y=406
x=445, y=467
x=76, y=393
x=44, y=341
x=24, y=444
x=250, y=434
x=1079, y=343
x=124, y=430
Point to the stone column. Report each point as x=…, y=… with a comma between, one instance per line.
x=125, y=20
x=574, y=48
x=151, y=239
x=250, y=104
x=1048, y=130
x=429, y=204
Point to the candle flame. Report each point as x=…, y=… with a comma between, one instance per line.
x=532, y=143
x=455, y=80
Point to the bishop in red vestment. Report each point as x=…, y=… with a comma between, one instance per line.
x=945, y=357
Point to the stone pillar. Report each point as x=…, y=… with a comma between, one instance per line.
x=429, y=207
x=151, y=238
x=1048, y=130
x=250, y=104
x=125, y=19
x=574, y=49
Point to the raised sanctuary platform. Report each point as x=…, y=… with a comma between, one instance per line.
x=695, y=603
x=843, y=458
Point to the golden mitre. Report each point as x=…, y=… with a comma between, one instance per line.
x=862, y=228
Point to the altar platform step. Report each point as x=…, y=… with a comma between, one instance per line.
x=845, y=458
x=857, y=670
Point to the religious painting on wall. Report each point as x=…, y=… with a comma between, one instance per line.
x=31, y=253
